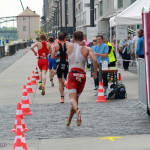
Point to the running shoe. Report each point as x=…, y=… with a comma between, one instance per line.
x=40, y=87
x=43, y=90
x=67, y=122
x=79, y=121
x=62, y=100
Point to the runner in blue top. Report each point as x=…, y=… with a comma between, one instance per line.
x=52, y=62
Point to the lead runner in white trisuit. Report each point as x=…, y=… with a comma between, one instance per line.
x=77, y=56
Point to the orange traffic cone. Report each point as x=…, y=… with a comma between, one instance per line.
x=119, y=76
x=100, y=96
x=19, y=125
x=18, y=144
x=37, y=74
x=19, y=115
x=29, y=88
x=24, y=141
x=33, y=79
x=25, y=98
x=25, y=103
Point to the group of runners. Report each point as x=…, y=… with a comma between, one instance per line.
x=67, y=60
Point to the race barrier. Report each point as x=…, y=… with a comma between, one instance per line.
x=141, y=82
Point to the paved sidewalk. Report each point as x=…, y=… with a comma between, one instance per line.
x=47, y=124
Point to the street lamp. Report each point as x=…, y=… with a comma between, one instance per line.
x=57, y=15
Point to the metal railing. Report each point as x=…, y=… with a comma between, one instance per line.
x=2, y=51
x=12, y=48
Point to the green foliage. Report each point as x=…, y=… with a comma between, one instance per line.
x=38, y=33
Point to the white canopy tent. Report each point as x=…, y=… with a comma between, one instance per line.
x=131, y=15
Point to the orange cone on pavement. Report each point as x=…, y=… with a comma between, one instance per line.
x=100, y=96
x=19, y=115
x=119, y=76
x=18, y=145
x=25, y=102
x=20, y=135
x=29, y=88
x=33, y=79
x=25, y=98
x=37, y=74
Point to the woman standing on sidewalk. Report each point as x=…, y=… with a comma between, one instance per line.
x=43, y=51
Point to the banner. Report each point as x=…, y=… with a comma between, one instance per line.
x=91, y=33
x=146, y=25
x=122, y=32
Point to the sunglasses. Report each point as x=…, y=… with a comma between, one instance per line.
x=94, y=40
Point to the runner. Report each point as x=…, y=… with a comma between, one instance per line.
x=52, y=62
x=60, y=51
x=43, y=51
x=77, y=56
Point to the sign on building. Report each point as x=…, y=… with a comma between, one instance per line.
x=122, y=32
x=91, y=33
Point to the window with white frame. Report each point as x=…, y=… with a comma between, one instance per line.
x=24, y=19
x=132, y=1
x=24, y=28
x=101, y=8
x=120, y=3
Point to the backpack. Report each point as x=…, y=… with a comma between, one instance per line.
x=120, y=90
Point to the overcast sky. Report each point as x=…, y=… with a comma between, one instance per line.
x=14, y=8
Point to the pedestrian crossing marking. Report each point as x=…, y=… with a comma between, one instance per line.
x=111, y=138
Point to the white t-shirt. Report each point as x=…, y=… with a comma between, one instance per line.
x=135, y=41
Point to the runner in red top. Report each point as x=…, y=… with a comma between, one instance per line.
x=43, y=51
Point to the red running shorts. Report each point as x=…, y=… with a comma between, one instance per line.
x=43, y=64
x=76, y=81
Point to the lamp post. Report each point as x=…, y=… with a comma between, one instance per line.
x=74, y=17
x=92, y=13
x=66, y=17
x=57, y=15
x=61, y=15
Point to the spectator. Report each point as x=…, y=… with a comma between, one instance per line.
x=92, y=69
x=119, y=51
x=125, y=46
x=140, y=45
x=134, y=43
x=101, y=51
x=111, y=55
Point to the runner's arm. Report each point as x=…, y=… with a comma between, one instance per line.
x=93, y=57
x=32, y=48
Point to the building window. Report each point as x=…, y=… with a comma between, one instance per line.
x=67, y=7
x=67, y=19
x=95, y=13
x=132, y=1
x=24, y=28
x=120, y=3
x=100, y=8
x=24, y=19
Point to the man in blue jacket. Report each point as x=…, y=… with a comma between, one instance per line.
x=140, y=45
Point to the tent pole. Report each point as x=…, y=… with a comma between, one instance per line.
x=117, y=47
x=110, y=34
